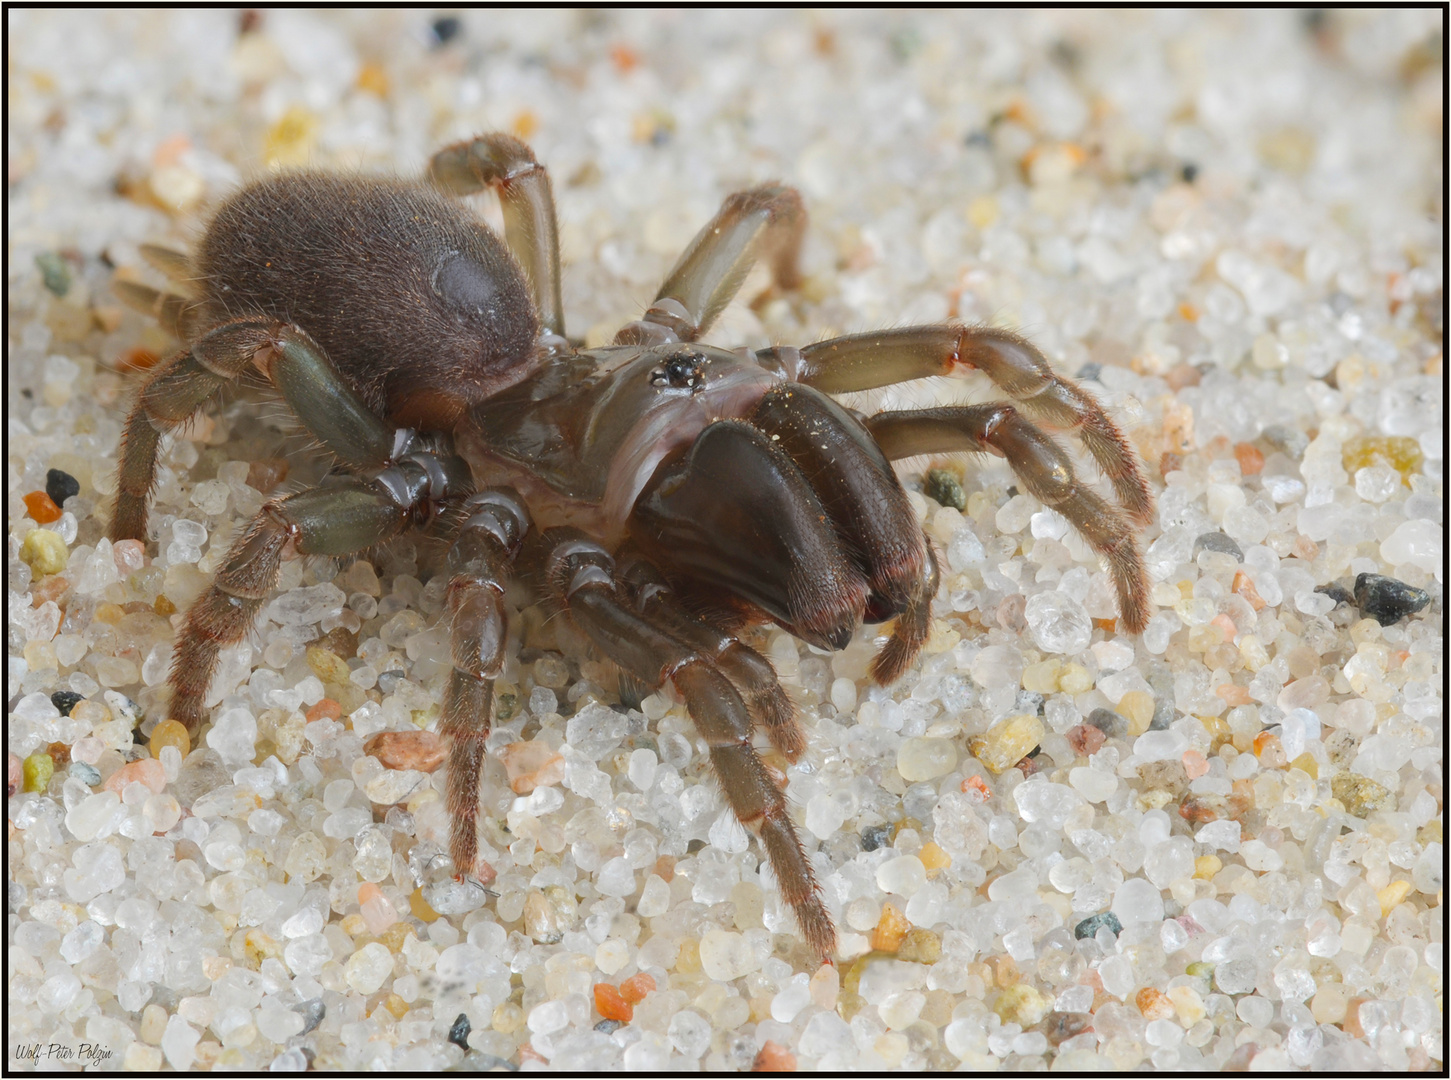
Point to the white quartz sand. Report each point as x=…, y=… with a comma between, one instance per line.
x=1226, y=851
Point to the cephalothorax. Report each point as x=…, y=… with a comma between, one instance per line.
x=662, y=493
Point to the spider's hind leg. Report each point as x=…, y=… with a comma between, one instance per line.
x=174, y=264
x=506, y=165
x=318, y=394
x=334, y=520
x=767, y=221
x=171, y=395
x=175, y=313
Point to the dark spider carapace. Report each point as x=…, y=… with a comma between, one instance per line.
x=661, y=492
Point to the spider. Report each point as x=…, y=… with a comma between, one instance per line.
x=660, y=492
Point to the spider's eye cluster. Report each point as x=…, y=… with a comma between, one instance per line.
x=683, y=371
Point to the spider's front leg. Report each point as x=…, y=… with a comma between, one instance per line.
x=581, y=576
x=478, y=562
x=1044, y=470
x=815, y=533
x=867, y=361
x=748, y=671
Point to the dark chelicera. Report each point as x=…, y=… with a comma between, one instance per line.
x=661, y=492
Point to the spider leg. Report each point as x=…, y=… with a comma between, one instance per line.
x=767, y=221
x=174, y=312
x=317, y=392
x=1045, y=471
x=174, y=264
x=581, y=576
x=478, y=563
x=750, y=673
x=867, y=361
x=339, y=519
x=172, y=393
x=508, y=166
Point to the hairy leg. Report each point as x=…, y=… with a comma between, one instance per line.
x=174, y=264
x=478, y=563
x=867, y=361
x=764, y=222
x=174, y=312
x=1043, y=468
x=169, y=398
x=339, y=519
x=225, y=612
x=317, y=392
x=581, y=576
x=748, y=671
x=508, y=166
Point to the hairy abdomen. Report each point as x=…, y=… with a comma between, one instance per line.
x=411, y=297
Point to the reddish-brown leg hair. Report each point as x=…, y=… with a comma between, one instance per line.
x=336, y=520
x=750, y=673
x=478, y=562
x=171, y=396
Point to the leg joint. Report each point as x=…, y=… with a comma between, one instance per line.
x=501, y=513
x=577, y=563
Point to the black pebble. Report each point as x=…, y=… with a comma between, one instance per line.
x=1189, y=172
x=1387, y=600
x=446, y=29
x=1089, y=371
x=65, y=701
x=1089, y=926
x=874, y=836
x=609, y=1027
x=459, y=1033
x=1109, y=722
x=60, y=486
x=1217, y=541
